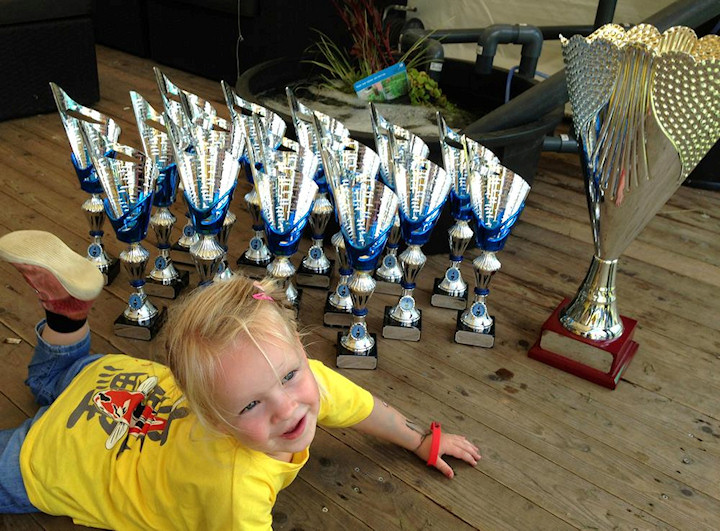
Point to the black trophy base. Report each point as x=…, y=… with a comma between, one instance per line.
x=393, y=329
x=441, y=299
x=336, y=318
x=181, y=256
x=156, y=288
x=123, y=327
x=387, y=288
x=256, y=270
x=347, y=359
x=112, y=271
x=309, y=279
x=467, y=336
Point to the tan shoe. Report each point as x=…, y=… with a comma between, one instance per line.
x=65, y=282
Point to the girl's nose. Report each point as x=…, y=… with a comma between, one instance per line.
x=285, y=406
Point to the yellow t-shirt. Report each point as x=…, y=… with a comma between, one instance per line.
x=120, y=449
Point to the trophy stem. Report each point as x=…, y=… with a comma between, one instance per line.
x=476, y=317
x=593, y=312
x=282, y=269
x=162, y=223
x=405, y=311
x=94, y=210
x=207, y=253
x=357, y=339
x=257, y=251
x=390, y=270
x=459, y=236
x=316, y=261
x=139, y=310
x=224, y=272
x=189, y=236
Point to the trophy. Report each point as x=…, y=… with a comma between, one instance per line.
x=366, y=209
x=422, y=189
x=315, y=268
x=497, y=197
x=338, y=305
x=128, y=179
x=177, y=109
x=73, y=116
x=254, y=260
x=286, y=197
x=164, y=280
x=450, y=291
x=209, y=173
x=645, y=108
x=408, y=145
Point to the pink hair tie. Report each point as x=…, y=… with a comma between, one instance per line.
x=262, y=296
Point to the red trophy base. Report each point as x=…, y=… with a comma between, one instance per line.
x=601, y=362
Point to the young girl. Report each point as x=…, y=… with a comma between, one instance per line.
x=126, y=443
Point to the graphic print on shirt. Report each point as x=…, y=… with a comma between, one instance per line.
x=129, y=406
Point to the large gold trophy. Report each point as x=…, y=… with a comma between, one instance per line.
x=646, y=109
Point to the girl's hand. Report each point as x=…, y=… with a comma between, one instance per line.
x=449, y=444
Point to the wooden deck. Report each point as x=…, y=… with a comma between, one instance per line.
x=558, y=452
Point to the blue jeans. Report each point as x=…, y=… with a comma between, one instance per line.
x=50, y=371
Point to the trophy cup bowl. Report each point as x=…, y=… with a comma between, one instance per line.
x=286, y=197
x=645, y=108
x=450, y=291
x=395, y=145
x=366, y=209
x=128, y=178
x=164, y=279
x=422, y=189
x=73, y=116
x=209, y=175
x=497, y=197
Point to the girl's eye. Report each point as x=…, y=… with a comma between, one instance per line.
x=250, y=406
x=289, y=376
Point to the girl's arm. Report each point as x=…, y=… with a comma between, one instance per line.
x=387, y=423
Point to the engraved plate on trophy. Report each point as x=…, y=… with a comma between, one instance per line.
x=645, y=108
x=73, y=116
x=422, y=188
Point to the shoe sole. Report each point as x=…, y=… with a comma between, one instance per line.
x=77, y=275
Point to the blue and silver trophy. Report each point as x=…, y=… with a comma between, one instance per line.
x=73, y=116
x=366, y=209
x=450, y=291
x=208, y=172
x=254, y=260
x=128, y=178
x=348, y=160
x=422, y=190
x=286, y=197
x=407, y=146
x=315, y=268
x=497, y=197
x=164, y=279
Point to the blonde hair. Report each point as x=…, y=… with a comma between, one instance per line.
x=206, y=324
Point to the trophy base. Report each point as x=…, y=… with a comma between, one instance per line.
x=393, y=329
x=112, y=271
x=123, y=327
x=387, y=288
x=440, y=298
x=156, y=288
x=181, y=255
x=347, y=359
x=467, y=336
x=309, y=279
x=336, y=318
x=600, y=362
x=252, y=269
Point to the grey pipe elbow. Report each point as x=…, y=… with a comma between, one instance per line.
x=432, y=49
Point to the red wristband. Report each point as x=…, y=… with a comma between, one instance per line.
x=434, y=444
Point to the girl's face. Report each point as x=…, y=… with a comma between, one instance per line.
x=275, y=405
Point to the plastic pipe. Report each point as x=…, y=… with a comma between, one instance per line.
x=530, y=37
